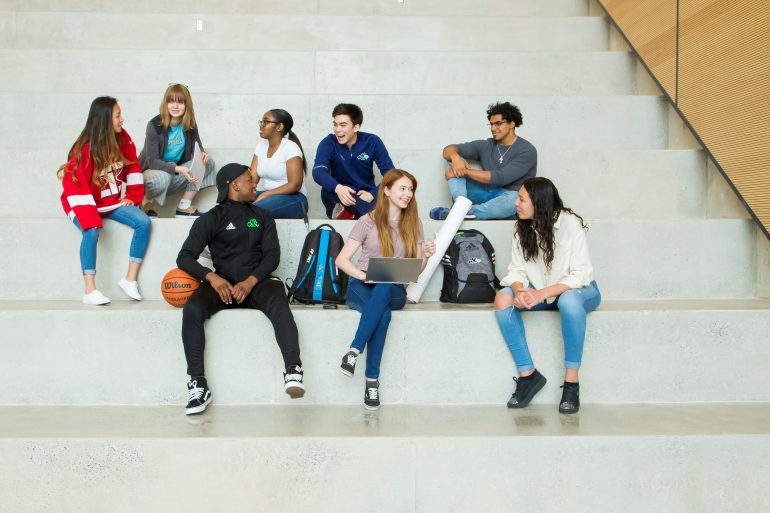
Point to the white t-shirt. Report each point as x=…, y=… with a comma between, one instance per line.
x=272, y=170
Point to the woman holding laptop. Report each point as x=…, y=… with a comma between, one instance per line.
x=392, y=229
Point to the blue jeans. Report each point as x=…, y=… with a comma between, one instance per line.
x=573, y=305
x=375, y=303
x=130, y=216
x=329, y=199
x=284, y=206
x=488, y=202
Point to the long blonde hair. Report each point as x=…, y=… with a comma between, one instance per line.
x=103, y=141
x=408, y=223
x=177, y=93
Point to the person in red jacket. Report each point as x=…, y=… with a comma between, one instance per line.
x=103, y=160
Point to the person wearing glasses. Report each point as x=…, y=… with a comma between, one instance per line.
x=167, y=155
x=279, y=164
x=506, y=161
x=344, y=165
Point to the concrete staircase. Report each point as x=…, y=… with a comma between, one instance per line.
x=675, y=392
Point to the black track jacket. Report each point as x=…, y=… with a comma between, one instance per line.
x=242, y=240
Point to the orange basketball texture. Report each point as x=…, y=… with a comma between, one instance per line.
x=177, y=287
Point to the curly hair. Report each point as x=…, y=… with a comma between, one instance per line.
x=536, y=234
x=507, y=111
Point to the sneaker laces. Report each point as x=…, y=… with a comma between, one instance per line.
x=373, y=392
x=292, y=376
x=195, y=392
x=351, y=360
x=517, y=392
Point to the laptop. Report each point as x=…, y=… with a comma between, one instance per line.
x=393, y=270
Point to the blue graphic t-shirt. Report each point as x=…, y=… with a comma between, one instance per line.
x=175, y=146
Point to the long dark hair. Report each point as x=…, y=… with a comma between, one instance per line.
x=104, y=143
x=283, y=117
x=536, y=234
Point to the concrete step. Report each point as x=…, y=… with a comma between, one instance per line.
x=518, y=8
x=139, y=31
x=644, y=184
x=403, y=121
x=322, y=72
x=429, y=459
x=632, y=259
x=63, y=352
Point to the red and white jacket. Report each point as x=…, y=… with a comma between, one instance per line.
x=87, y=200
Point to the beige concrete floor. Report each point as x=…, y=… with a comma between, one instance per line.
x=390, y=421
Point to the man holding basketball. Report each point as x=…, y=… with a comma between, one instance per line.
x=244, y=249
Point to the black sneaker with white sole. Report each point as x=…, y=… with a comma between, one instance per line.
x=348, y=365
x=526, y=388
x=198, y=396
x=292, y=382
x=372, y=395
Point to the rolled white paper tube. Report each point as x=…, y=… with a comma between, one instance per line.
x=443, y=238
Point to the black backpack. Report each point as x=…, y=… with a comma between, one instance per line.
x=318, y=281
x=469, y=269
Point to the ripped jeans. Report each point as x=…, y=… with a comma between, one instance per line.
x=573, y=306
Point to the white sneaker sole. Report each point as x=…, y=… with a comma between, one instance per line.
x=295, y=390
x=371, y=407
x=346, y=372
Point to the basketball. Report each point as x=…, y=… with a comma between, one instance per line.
x=177, y=287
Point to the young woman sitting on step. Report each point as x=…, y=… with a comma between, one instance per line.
x=169, y=145
x=550, y=269
x=101, y=161
x=279, y=163
x=392, y=229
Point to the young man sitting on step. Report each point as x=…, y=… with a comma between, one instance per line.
x=344, y=165
x=244, y=249
x=506, y=160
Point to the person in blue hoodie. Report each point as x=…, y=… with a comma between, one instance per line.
x=344, y=165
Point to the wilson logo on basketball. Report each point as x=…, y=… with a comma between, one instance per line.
x=176, y=285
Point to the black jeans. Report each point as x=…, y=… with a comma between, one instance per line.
x=267, y=296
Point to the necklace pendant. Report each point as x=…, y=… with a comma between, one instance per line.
x=501, y=160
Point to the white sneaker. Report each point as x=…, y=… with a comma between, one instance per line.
x=95, y=298
x=131, y=288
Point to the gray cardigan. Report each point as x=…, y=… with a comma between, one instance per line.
x=155, y=143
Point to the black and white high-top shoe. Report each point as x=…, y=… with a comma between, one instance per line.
x=198, y=396
x=348, y=365
x=292, y=382
x=372, y=395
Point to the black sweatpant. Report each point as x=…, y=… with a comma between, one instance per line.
x=267, y=296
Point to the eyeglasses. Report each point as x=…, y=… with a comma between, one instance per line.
x=497, y=124
x=264, y=122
